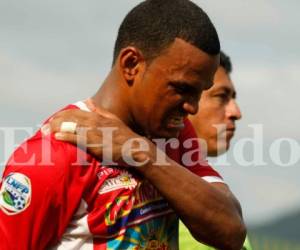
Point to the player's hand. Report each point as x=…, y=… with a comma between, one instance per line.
x=103, y=135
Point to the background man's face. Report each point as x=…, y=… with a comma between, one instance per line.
x=170, y=87
x=217, y=107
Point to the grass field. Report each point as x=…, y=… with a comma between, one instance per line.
x=266, y=243
x=186, y=242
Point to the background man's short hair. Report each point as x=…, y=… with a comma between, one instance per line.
x=154, y=24
x=225, y=62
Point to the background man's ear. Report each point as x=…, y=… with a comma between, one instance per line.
x=131, y=60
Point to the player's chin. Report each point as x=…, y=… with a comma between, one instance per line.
x=229, y=135
x=218, y=149
x=165, y=133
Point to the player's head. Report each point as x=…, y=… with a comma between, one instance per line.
x=154, y=24
x=218, y=111
x=166, y=52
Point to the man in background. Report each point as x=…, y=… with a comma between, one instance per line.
x=215, y=126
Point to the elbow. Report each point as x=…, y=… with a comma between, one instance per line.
x=229, y=236
x=236, y=236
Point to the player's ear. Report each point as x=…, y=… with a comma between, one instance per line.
x=132, y=63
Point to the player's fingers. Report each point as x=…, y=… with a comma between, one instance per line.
x=78, y=140
x=52, y=126
x=72, y=120
x=67, y=137
x=105, y=113
x=65, y=120
x=80, y=117
x=70, y=114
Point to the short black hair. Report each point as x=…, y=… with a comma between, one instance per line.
x=153, y=25
x=225, y=62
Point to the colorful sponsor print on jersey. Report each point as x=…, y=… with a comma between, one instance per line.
x=160, y=233
x=142, y=203
x=15, y=193
x=123, y=180
x=156, y=234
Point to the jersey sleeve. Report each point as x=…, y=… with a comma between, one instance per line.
x=192, y=156
x=39, y=192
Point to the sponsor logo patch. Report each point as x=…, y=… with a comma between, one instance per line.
x=15, y=193
x=124, y=180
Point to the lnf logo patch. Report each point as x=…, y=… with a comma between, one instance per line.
x=15, y=193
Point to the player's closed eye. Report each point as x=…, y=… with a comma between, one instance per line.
x=182, y=88
x=222, y=97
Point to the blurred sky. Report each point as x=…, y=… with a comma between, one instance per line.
x=57, y=52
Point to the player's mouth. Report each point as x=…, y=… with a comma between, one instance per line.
x=175, y=122
x=230, y=131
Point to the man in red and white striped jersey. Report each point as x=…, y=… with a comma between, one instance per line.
x=56, y=195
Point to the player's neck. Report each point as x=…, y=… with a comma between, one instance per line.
x=112, y=96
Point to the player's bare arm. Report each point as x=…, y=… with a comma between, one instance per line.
x=198, y=203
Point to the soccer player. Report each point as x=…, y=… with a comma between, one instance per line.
x=55, y=195
x=215, y=126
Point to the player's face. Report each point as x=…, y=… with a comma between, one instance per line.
x=170, y=89
x=217, y=107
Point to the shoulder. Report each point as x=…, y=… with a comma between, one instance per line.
x=193, y=155
x=44, y=157
x=188, y=131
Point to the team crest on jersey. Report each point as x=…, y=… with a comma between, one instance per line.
x=123, y=180
x=15, y=193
